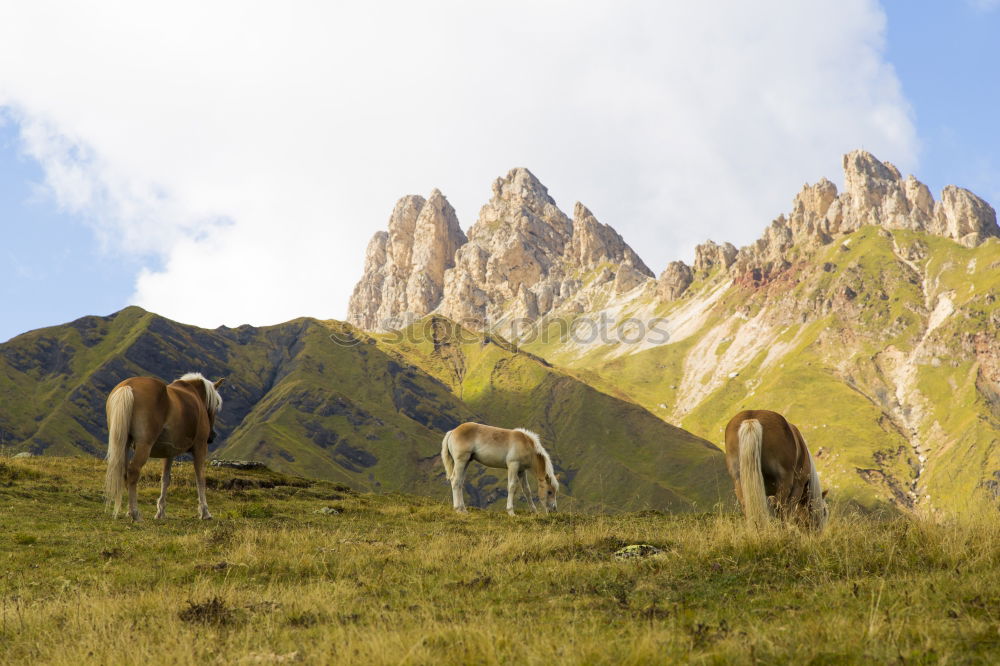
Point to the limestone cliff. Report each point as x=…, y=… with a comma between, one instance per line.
x=404, y=267
x=524, y=258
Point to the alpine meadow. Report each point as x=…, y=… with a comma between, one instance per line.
x=537, y=332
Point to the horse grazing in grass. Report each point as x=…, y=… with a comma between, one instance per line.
x=773, y=471
x=159, y=420
x=518, y=450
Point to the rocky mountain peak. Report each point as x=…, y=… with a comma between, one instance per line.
x=861, y=167
x=709, y=255
x=594, y=242
x=674, y=281
x=521, y=207
x=964, y=217
x=876, y=194
x=404, y=267
x=523, y=258
x=526, y=258
x=521, y=185
x=814, y=200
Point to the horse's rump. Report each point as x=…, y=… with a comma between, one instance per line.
x=446, y=458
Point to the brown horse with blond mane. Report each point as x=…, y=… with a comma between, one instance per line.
x=159, y=420
x=517, y=450
x=773, y=471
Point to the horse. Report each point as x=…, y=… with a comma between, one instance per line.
x=773, y=471
x=159, y=420
x=517, y=450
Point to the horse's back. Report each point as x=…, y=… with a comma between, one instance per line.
x=772, y=423
x=490, y=445
x=145, y=385
x=486, y=434
x=471, y=428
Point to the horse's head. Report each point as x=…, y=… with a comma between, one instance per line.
x=213, y=401
x=209, y=395
x=819, y=512
x=548, y=490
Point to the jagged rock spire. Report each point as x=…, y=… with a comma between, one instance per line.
x=404, y=268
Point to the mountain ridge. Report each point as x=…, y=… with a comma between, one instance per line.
x=525, y=259
x=321, y=399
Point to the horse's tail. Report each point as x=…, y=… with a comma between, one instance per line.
x=446, y=458
x=755, y=507
x=119, y=417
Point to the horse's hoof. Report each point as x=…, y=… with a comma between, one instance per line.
x=159, y=516
x=206, y=516
x=510, y=512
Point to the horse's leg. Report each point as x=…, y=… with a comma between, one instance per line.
x=161, y=504
x=200, y=454
x=783, y=498
x=458, y=484
x=139, y=457
x=527, y=490
x=512, y=471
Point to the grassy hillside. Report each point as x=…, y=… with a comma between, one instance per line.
x=882, y=346
x=609, y=451
x=297, y=571
x=322, y=400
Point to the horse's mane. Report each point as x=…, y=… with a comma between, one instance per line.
x=213, y=401
x=550, y=472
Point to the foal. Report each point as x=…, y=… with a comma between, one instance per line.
x=518, y=450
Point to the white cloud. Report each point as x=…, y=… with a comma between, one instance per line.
x=250, y=152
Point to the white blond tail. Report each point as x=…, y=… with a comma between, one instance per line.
x=446, y=459
x=755, y=506
x=119, y=417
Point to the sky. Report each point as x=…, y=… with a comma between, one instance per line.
x=227, y=163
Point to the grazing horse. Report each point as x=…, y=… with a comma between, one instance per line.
x=518, y=450
x=159, y=420
x=773, y=471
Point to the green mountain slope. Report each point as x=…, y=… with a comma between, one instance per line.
x=323, y=400
x=882, y=346
x=611, y=451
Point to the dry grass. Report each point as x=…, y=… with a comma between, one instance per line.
x=401, y=580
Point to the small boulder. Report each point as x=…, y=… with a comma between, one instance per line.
x=637, y=551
